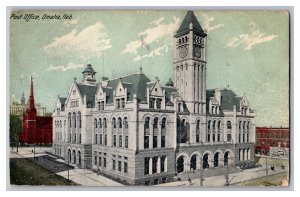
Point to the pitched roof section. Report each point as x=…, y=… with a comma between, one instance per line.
x=228, y=99
x=135, y=83
x=185, y=25
x=88, y=91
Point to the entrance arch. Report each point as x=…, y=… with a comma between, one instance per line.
x=180, y=164
x=205, y=161
x=69, y=156
x=226, y=155
x=74, y=157
x=79, y=157
x=216, y=159
x=193, y=162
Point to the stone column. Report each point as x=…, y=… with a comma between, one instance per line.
x=166, y=164
x=150, y=165
x=159, y=135
x=241, y=154
x=158, y=165
x=151, y=135
x=198, y=163
x=221, y=161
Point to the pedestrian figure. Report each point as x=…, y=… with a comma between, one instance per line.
x=190, y=181
x=98, y=171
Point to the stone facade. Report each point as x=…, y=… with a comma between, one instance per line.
x=140, y=131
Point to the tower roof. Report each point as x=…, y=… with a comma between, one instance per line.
x=89, y=69
x=189, y=18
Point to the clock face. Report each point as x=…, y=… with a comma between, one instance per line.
x=197, y=52
x=183, y=51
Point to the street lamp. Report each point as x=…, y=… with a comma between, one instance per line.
x=227, y=172
x=201, y=177
x=267, y=164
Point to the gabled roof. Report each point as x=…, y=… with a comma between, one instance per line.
x=88, y=91
x=135, y=83
x=228, y=99
x=185, y=25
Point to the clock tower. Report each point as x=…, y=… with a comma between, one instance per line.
x=190, y=63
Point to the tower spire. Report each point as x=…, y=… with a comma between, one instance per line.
x=32, y=109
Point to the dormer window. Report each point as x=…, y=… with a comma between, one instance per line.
x=151, y=103
x=74, y=92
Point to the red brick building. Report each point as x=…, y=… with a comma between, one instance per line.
x=36, y=129
x=268, y=138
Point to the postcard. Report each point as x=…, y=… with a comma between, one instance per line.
x=190, y=98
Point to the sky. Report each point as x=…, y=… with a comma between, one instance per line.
x=248, y=49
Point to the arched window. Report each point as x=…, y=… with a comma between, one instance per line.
x=104, y=123
x=100, y=123
x=146, y=132
x=119, y=123
x=118, y=103
x=163, y=123
x=198, y=131
x=186, y=39
x=214, y=131
x=125, y=123
x=155, y=125
x=69, y=120
x=74, y=119
x=209, y=131
x=155, y=132
x=147, y=123
x=228, y=125
x=114, y=125
x=95, y=123
x=219, y=131
x=163, y=132
x=79, y=119
x=179, y=41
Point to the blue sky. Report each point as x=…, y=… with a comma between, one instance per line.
x=253, y=44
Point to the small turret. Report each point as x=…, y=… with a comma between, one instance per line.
x=89, y=75
x=23, y=99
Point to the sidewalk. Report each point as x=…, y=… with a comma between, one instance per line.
x=82, y=177
x=88, y=178
x=234, y=178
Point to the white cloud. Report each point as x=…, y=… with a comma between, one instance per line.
x=69, y=66
x=156, y=52
x=89, y=42
x=207, y=21
x=159, y=30
x=249, y=40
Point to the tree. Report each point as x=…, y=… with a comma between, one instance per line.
x=15, y=128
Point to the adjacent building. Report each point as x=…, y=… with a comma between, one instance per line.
x=19, y=109
x=36, y=129
x=272, y=141
x=141, y=131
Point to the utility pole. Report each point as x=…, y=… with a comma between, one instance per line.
x=201, y=177
x=267, y=165
x=33, y=152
